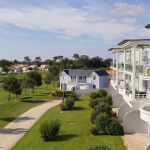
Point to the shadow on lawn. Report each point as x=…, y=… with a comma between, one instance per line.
x=8, y=119
x=66, y=137
x=13, y=131
x=26, y=97
x=33, y=101
x=78, y=108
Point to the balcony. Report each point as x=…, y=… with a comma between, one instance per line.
x=121, y=66
x=111, y=64
x=129, y=67
x=139, y=96
x=145, y=105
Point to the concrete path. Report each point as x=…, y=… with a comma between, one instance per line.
x=137, y=141
x=15, y=130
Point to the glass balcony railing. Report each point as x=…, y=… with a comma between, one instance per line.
x=121, y=66
x=144, y=70
x=145, y=105
x=111, y=64
x=128, y=67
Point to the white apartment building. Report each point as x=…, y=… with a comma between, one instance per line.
x=131, y=84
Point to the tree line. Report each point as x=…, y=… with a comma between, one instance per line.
x=77, y=62
x=13, y=85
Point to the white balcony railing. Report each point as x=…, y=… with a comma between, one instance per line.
x=145, y=105
x=78, y=81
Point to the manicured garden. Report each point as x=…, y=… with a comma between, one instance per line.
x=10, y=110
x=75, y=125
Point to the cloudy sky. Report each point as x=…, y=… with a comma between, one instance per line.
x=48, y=28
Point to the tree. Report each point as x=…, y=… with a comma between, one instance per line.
x=25, y=83
x=76, y=57
x=5, y=69
x=18, y=90
x=54, y=73
x=4, y=63
x=48, y=80
x=15, y=61
x=10, y=84
x=48, y=62
x=38, y=61
x=27, y=59
x=21, y=70
x=34, y=79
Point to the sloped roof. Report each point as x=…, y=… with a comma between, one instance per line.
x=85, y=72
x=111, y=72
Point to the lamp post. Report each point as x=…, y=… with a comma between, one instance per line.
x=63, y=91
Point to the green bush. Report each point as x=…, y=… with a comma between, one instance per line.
x=73, y=95
x=49, y=130
x=63, y=107
x=101, y=108
x=102, y=93
x=108, y=99
x=69, y=102
x=95, y=102
x=100, y=148
x=94, y=95
x=93, y=131
x=114, y=127
x=101, y=121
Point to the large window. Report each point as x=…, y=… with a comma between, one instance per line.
x=73, y=78
x=82, y=79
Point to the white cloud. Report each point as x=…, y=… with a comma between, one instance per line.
x=126, y=9
x=65, y=37
x=44, y=36
x=91, y=8
x=13, y=33
x=69, y=22
x=82, y=40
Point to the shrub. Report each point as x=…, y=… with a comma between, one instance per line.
x=93, y=131
x=108, y=99
x=114, y=114
x=49, y=130
x=58, y=92
x=94, y=95
x=102, y=93
x=101, y=108
x=73, y=95
x=100, y=148
x=114, y=127
x=69, y=102
x=63, y=107
x=95, y=102
x=101, y=121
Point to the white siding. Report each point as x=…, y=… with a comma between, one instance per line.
x=103, y=81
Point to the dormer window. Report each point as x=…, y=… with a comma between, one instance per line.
x=63, y=77
x=94, y=77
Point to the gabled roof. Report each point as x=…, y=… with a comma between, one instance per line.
x=85, y=72
x=128, y=40
x=114, y=48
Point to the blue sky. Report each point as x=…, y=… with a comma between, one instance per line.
x=49, y=28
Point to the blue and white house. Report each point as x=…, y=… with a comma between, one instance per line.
x=83, y=79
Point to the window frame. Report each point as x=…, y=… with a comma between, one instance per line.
x=93, y=78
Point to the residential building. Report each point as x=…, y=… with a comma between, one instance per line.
x=131, y=85
x=34, y=67
x=43, y=68
x=148, y=26
x=83, y=79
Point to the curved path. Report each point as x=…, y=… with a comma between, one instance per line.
x=15, y=130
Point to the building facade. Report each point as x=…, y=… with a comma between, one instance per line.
x=131, y=84
x=83, y=79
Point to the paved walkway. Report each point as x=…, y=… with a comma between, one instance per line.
x=15, y=130
x=137, y=141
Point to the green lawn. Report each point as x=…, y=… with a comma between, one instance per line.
x=10, y=110
x=74, y=136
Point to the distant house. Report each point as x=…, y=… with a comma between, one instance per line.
x=110, y=72
x=43, y=68
x=83, y=79
x=34, y=66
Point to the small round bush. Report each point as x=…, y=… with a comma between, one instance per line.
x=108, y=99
x=95, y=102
x=101, y=121
x=49, y=130
x=63, y=107
x=100, y=148
x=93, y=131
x=73, y=95
x=69, y=102
x=94, y=95
x=114, y=127
x=102, y=93
x=101, y=108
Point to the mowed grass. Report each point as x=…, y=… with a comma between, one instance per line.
x=10, y=110
x=74, y=136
